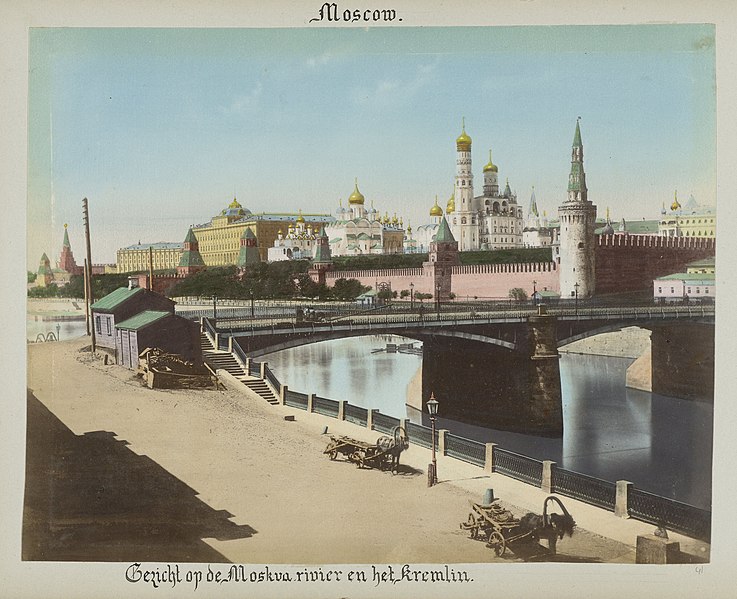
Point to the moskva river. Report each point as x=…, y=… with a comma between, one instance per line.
x=661, y=444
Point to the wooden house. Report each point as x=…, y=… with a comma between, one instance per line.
x=120, y=305
x=156, y=329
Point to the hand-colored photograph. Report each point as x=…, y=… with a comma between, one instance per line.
x=438, y=295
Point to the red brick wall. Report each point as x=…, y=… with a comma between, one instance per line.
x=631, y=262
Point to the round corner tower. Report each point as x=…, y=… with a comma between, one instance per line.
x=577, y=223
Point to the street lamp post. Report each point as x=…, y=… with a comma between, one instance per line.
x=575, y=291
x=412, y=297
x=58, y=331
x=432, y=469
x=251, y=303
x=214, y=309
x=534, y=291
x=437, y=299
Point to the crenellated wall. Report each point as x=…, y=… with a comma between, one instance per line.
x=495, y=280
x=631, y=262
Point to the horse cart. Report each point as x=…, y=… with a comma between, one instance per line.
x=501, y=529
x=384, y=454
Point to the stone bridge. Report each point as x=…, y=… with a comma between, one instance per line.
x=500, y=368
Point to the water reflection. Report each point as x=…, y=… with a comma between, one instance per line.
x=68, y=329
x=347, y=370
x=661, y=444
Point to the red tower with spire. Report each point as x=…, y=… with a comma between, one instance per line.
x=66, y=259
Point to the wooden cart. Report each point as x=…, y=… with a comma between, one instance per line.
x=501, y=529
x=383, y=454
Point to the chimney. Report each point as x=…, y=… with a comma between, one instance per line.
x=132, y=282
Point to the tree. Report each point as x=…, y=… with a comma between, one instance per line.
x=451, y=296
x=384, y=294
x=404, y=293
x=518, y=294
x=348, y=289
x=423, y=296
x=31, y=277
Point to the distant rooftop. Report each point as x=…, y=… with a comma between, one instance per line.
x=159, y=245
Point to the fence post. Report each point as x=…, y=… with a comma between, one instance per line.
x=370, y=419
x=248, y=366
x=217, y=342
x=620, y=503
x=262, y=374
x=442, y=441
x=230, y=345
x=341, y=410
x=283, y=395
x=547, y=480
x=489, y=458
x=310, y=400
x=202, y=324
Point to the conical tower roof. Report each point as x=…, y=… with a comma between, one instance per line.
x=66, y=243
x=577, y=135
x=444, y=234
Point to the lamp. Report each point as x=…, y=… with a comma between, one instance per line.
x=432, y=469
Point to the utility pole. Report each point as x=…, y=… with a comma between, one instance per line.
x=86, y=219
x=86, y=298
x=150, y=268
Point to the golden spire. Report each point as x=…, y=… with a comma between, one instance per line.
x=675, y=205
x=436, y=210
x=491, y=166
x=463, y=142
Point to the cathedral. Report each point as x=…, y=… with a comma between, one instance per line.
x=490, y=221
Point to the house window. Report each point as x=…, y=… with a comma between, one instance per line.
x=689, y=290
x=98, y=325
x=660, y=290
x=107, y=322
x=698, y=290
x=672, y=290
x=706, y=290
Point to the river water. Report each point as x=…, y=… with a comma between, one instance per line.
x=661, y=444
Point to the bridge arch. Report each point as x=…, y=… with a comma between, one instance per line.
x=289, y=341
x=607, y=328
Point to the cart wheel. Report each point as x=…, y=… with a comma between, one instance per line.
x=472, y=526
x=332, y=454
x=357, y=457
x=497, y=542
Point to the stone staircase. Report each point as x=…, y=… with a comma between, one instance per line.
x=224, y=360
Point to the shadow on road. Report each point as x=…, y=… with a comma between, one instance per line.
x=90, y=498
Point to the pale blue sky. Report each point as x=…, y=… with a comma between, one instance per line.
x=158, y=128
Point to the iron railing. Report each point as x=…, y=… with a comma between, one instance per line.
x=325, y=406
x=420, y=435
x=674, y=515
x=384, y=423
x=589, y=489
x=239, y=353
x=518, y=466
x=295, y=399
x=254, y=369
x=464, y=449
x=272, y=380
x=356, y=414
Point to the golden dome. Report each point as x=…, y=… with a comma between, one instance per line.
x=450, y=208
x=436, y=210
x=675, y=205
x=300, y=218
x=235, y=204
x=356, y=197
x=463, y=142
x=491, y=166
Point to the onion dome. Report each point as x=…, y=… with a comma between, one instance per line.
x=395, y=220
x=675, y=205
x=463, y=142
x=608, y=229
x=436, y=210
x=450, y=208
x=491, y=166
x=356, y=197
x=300, y=218
x=409, y=229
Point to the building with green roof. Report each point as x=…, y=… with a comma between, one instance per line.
x=120, y=305
x=156, y=329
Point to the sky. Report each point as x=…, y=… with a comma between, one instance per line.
x=160, y=128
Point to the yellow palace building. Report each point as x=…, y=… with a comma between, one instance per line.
x=219, y=240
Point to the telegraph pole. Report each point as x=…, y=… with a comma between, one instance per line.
x=150, y=268
x=86, y=298
x=86, y=219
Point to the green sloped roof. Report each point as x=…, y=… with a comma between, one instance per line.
x=190, y=238
x=117, y=297
x=444, y=233
x=705, y=278
x=191, y=258
x=142, y=319
x=640, y=227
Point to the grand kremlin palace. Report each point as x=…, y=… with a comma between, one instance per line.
x=220, y=239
